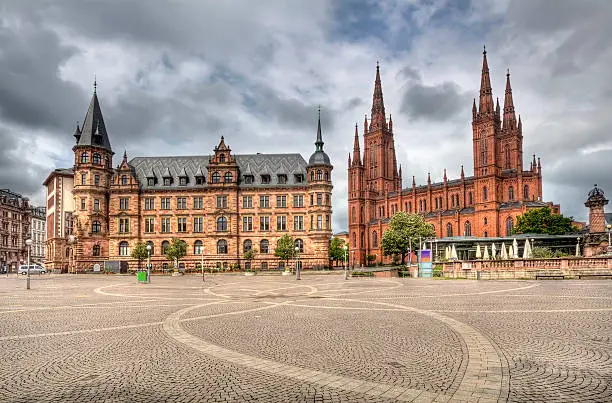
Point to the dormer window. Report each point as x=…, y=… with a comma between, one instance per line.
x=298, y=178
x=228, y=177
x=216, y=177
x=265, y=178
x=97, y=139
x=282, y=179
x=124, y=180
x=248, y=179
x=221, y=157
x=183, y=181
x=199, y=180
x=167, y=181
x=150, y=181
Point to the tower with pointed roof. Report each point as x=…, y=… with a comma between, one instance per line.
x=93, y=172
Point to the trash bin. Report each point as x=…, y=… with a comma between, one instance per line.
x=478, y=275
x=142, y=276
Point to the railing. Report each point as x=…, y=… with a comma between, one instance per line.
x=563, y=264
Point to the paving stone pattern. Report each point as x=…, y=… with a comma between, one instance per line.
x=275, y=339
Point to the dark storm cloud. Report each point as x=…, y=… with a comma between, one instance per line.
x=439, y=102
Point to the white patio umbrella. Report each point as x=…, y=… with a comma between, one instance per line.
x=515, y=249
x=493, y=251
x=486, y=253
x=446, y=253
x=510, y=252
x=526, y=250
x=504, y=252
x=577, y=249
x=453, y=252
x=478, y=252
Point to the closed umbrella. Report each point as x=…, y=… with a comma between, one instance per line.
x=577, y=249
x=453, y=252
x=526, y=250
x=515, y=249
x=486, y=253
x=504, y=252
x=478, y=252
x=493, y=251
x=510, y=252
x=446, y=253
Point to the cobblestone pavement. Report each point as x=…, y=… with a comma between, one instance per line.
x=271, y=338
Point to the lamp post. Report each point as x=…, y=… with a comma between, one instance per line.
x=71, y=240
x=345, y=251
x=297, y=266
x=29, y=244
x=202, y=262
x=353, y=253
x=149, y=263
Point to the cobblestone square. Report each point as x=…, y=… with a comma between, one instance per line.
x=271, y=338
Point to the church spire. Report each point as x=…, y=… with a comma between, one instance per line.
x=93, y=131
x=486, y=93
x=509, y=116
x=319, y=142
x=378, y=119
x=356, y=151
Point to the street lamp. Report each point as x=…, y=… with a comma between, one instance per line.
x=29, y=244
x=149, y=263
x=297, y=266
x=353, y=253
x=71, y=240
x=345, y=251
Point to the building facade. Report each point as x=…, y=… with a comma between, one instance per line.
x=59, y=209
x=14, y=229
x=485, y=204
x=38, y=233
x=221, y=205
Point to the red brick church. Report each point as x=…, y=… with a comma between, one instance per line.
x=485, y=204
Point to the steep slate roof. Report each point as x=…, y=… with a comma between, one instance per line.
x=94, y=125
x=258, y=164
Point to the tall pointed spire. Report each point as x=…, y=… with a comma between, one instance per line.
x=378, y=119
x=93, y=131
x=319, y=157
x=413, y=181
x=319, y=142
x=474, y=110
x=497, y=110
x=462, y=174
x=509, y=115
x=356, y=150
x=486, y=93
x=520, y=124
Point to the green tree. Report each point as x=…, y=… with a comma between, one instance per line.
x=140, y=252
x=336, y=250
x=176, y=251
x=543, y=221
x=405, y=230
x=249, y=256
x=285, y=248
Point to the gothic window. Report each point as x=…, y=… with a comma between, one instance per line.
x=96, y=159
x=507, y=157
x=221, y=157
x=152, y=250
x=222, y=247
x=312, y=175
x=124, y=180
x=264, y=246
x=468, y=229
x=96, y=250
x=124, y=249
x=361, y=214
x=326, y=176
x=437, y=203
x=484, y=193
x=319, y=175
x=84, y=158
x=228, y=177
x=216, y=177
x=247, y=246
x=374, y=239
x=96, y=227
x=221, y=224
x=355, y=239
x=449, y=229
x=362, y=239
x=526, y=192
x=485, y=221
x=198, y=248
x=470, y=200
x=509, y=226
x=483, y=152
x=300, y=245
x=165, y=245
x=457, y=200
x=511, y=193
x=354, y=215
x=425, y=205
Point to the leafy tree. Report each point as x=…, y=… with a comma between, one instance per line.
x=285, y=248
x=336, y=250
x=176, y=251
x=405, y=230
x=249, y=256
x=140, y=252
x=543, y=221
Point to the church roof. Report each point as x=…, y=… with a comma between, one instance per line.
x=93, y=131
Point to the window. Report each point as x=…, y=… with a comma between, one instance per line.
x=124, y=225
x=247, y=246
x=298, y=178
x=96, y=204
x=181, y=224
x=265, y=179
x=507, y=157
x=298, y=223
x=247, y=201
x=165, y=246
x=165, y=203
x=485, y=221
x=312, y=200
x=83, y=179
x=199, y=180
x=319, y=199
x=181, y=203
x=468, y=229
x=222, y=247
x=470, y=201
x=282, y=179
x=300, y=245
x=221, y=201
x=374, y=239
x=264, y=201
x=167, y=181
x=327, y=222
x=124, y=180
x=149, y=224
x=449, y=229
x=248, y=179
x=298, y=201
x=264, y=246
x=82, y=203
x=264, y=223
x=96, y=159
x=96, y=250
x=319, y=175
x=96, y=227
x=486, y=234
x=124, y=249
x=183, y=181
x=216, y=177
x=228, y=177
x=326, y=176
x=281, y=223
x=150, y=181
x=319, y=221
x=509, y=226
x=281, y=201
x=312, y=175
x=247, y=223
x=97, y=180
x=149, y=203
x=124, y=203
x=198, y=224
x=152, y=249
x=198, y=202
x=198, y=248
x=165, y=224
x=84, y=158
x=221, y=224
x=526, y=192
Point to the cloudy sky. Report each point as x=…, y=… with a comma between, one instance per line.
x=173, y=76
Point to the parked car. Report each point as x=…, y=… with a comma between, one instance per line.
x=34, y=269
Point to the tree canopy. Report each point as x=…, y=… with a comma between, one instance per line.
x=140, y=252
x=405, y=230
x=176, y=250
x=336, y=249
x=543, y=221
x=285, y=248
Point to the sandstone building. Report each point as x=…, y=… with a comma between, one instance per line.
x=38, y=234
x=14, y=229
x=485, y=204
x=221, y=205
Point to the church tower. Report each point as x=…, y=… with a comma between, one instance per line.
x=93, y=170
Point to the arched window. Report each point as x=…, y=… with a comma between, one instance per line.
x=485, y=221
x=361, y=216
x=96, y=159
x=228, y=177
x=326, y=175
x=222, y=247
x=449, y=229
x=509, y=226
x=468, y=229
x=470, y=200
x=247, y=246
x=221, y=157
x=362, y=239
x=264, y=246
x=96, y=227
x=507, y=157
x=312, y=175
x=355, y=239
x=511, y=193
x=216, y=177
x=221, y=224
x=95, y=250
x=84, y=158
x=526, y=192
x=319, y=175
x=152, y=250
x=107, y=162
x=165, y=246
x=124, y=180
x=300, y=245
x=354, y=215
x=198, y=248
x=484, y=193
x=124, y=249
x=374, y=239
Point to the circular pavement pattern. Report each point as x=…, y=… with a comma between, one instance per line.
x=271, y=338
